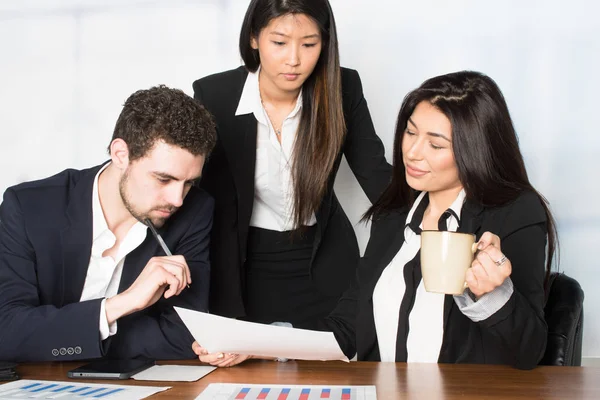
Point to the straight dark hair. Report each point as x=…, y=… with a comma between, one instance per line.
x=322, y=126
x=485, y=145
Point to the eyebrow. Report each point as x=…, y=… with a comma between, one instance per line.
x=164, y=175
x=314, y=35
x=434, y=134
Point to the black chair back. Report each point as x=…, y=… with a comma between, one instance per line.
x=564, y=316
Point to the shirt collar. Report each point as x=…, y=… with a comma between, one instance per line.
x=414, y=219
x=251, y=103
x=457, y=205
x=99, y=221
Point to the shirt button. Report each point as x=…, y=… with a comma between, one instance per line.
x=55, y=352
x=70, y=351
x=63, y=351
x=77, y=350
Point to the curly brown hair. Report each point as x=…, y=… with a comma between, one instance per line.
x=162, y=113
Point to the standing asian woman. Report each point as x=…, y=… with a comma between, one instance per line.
x=282, y=248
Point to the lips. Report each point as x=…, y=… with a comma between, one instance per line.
x=165, y=213
x=291, y=77
x=415, y=172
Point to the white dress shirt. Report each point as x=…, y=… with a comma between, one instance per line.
x=104, y=273
x=273, y=186
x=426, y=318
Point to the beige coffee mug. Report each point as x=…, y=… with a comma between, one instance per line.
x=445, y=258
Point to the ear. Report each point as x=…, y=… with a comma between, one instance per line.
x=119, y=154
x=254, y=43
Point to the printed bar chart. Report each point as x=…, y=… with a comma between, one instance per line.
x=286, y=392
x=27, y=389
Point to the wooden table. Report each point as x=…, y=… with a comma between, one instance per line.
x=393, y=380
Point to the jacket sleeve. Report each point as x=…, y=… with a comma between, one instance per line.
x=30, y=331
x=363, y=148
x=519, y=326
x=157, y=332
x=354, y=305
x=342, y=320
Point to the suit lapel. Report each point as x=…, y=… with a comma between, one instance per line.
x=76, y=237
x=388, y=250
x=137, y=260
x=239, y=142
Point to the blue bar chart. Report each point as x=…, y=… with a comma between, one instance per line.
x=27, y=389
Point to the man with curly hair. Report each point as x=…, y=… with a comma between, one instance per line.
x=81, y=275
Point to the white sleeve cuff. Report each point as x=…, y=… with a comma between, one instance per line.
x=106, y=330
x=488, y=304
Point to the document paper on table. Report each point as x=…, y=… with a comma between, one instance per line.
x=236, y=391
x=227, y=335
x=74, y=391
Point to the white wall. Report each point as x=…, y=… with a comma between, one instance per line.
x=67, y=66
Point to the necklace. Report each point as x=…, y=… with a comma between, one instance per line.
x=277, y=131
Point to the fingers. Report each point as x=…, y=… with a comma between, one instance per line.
x=175, y=266
x=488, y=239
x=222, y=359
x=180, y=261
x=238, y=359
x=485, y=274
x=179, y=274
x=173, y=285
x=199, y=350
x=472, y=282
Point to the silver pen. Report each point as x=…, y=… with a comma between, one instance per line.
x=159, y=239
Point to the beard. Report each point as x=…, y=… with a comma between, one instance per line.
x=136, y=213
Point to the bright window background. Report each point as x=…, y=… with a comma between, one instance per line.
x=67, y=66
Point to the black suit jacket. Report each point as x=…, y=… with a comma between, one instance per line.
x=229, y=178
x=515, y=335
x=45, y=247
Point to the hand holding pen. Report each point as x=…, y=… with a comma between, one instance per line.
x=159, y=239
x=161, y=277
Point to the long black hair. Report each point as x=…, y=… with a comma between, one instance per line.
x=485, y=145
x=322, y=127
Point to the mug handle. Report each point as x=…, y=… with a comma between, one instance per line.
x=473, y=250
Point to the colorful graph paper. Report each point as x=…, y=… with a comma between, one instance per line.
x=24, y=389
x=226, y=391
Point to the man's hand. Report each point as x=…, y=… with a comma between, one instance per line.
x=162, y=275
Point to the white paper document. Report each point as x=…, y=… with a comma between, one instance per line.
x=226, y=335
x=227, y=391
x=74, y=391
x=173, y=373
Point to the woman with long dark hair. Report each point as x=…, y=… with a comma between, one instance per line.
x=457, y=164
x=282, y=248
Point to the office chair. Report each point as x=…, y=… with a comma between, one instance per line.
x=564, y=316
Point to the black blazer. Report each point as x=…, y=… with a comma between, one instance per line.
x=229, y=177
x=515, y=335
x=45, y=247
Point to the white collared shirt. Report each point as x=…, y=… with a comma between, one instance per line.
x=273, y=186
x=426, y=318
x=104, y=273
